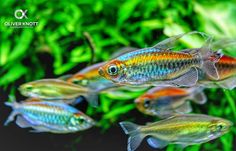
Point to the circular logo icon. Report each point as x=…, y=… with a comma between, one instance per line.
x=20, y=14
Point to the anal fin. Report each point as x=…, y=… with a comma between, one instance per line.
x=188, y=79
x=22, y=122
x=157, y=143
x=229, y=83
x=185, y=108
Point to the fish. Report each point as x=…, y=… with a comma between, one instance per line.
x=159, y=66
x=166, y=101
x=182, y=129
x=53, y=117
x=90, y=78
x=56, y=89
x=226, y=67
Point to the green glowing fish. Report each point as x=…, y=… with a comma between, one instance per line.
x=55, y=89
x=184, y=129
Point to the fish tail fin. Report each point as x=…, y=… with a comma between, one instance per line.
x=209, y=59
x=135, y=136
x=197, y=95
x=11, y=117
x=12, y=102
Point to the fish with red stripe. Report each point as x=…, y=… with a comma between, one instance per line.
x=166, y=101
x=226, y=68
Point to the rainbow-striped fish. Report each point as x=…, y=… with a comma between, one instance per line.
x=226, y=68
x=159, y=66
x=51, y=117
x=184, y=129
x=166, y=101
x=90, y=78
x=56, y=89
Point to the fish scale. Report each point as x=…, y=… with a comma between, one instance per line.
x=37, y=112
x=162, y=62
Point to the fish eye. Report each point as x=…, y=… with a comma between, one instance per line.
x=113, y=70
x=147, y=103
x=28, y=87
x=219, y=127
x=81, y=120
x=75, y=81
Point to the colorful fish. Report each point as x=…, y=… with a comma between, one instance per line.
x=159, y=66
x=184, y=129
x=166, y=101
x=55, y=89
x=89, y=77
x=226, y=67
x=49, y=117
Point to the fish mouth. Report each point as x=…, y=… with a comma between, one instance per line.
x=101, y=72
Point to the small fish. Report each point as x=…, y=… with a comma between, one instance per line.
x=166, y=101
x=226, y=67
x=158, y=65
x=89, y=77
x=48, y=117
x=55, y=89
x=183, y=129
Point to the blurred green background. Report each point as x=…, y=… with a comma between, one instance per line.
x=112, y=24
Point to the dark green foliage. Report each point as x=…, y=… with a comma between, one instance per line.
x=111, y=24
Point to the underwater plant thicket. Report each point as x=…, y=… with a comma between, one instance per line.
x=112, y=25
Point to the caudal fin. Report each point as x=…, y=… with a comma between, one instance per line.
x=209, y=59
x=135, y=136
x=197, y=95
x=13, y=113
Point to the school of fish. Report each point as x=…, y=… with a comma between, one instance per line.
x=171, y=81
